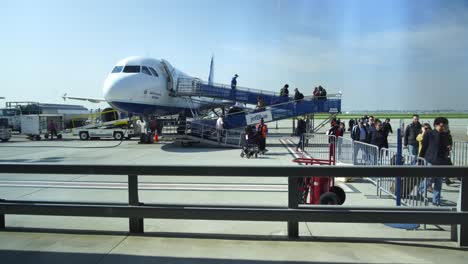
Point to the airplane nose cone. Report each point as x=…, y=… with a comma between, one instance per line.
x=116, y=88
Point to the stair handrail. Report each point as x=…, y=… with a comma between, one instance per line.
x=306, y=98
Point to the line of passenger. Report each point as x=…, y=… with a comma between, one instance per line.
x=371, y=130
x=318, y=93
x=433, y=145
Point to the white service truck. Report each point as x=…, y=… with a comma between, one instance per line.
x=117, y=129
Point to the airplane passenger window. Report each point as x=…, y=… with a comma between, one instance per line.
x=131, y=69
x=145, y=70
x=155, y=73
x=117, y=69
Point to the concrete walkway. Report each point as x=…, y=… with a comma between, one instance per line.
x=17, y=247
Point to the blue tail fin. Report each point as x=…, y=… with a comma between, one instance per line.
x=211, y=76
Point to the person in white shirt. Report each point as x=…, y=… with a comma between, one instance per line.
x=219, y=127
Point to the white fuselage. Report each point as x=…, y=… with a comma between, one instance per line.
x=142, y=85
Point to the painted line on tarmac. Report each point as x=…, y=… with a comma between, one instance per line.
x=287, y=144
x=147, y=186
x=303, y=154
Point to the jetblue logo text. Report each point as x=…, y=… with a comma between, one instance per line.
x=255, y=118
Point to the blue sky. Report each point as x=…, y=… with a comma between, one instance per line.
x=387, y=54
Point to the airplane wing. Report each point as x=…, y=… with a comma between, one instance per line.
x=92, y=100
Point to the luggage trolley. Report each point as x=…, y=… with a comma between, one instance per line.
x=320, y=190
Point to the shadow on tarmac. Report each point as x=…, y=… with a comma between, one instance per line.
x=411, y=242
x=174, y=147
x=14, y=256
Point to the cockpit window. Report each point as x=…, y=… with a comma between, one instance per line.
x=117, y=69
x=145, y=70
x=154, y=72
x=132, y=69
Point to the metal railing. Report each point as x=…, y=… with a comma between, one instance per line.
x=407, y=192
x=345, y=150
x=412, y=191
x=197, y=87
x=294, y=213
x=459, y=153
x=287, y=109
x=171, y=127
x=365, y=154
x=209, y=132
x=203, y=131
x=319, y=146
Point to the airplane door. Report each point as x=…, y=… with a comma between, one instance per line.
x=170, y=80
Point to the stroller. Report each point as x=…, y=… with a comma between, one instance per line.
x=249, y=143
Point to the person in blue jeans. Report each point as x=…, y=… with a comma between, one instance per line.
x=411, y=132
x=359, y=133
x=436, y=145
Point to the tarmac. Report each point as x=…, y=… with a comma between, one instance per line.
x=51, y=239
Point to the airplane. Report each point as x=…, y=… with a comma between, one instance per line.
x=144, y=86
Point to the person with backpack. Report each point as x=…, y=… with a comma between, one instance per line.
x=301, y=131
x=298, y=96
x=322, y=93
x=285, y=91
x=359, y=132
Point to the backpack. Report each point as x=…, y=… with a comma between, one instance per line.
x=324, y=92
x=300, y=96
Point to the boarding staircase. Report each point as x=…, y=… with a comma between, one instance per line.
x=284, y=111
x=192, y=87
x=278, y=108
